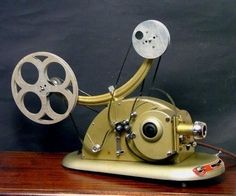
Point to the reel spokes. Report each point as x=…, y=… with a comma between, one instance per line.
x=44, y=87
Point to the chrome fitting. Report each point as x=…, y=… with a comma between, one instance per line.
x=96, y=148
x=199, y=130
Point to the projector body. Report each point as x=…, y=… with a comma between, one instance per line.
x=140, y=136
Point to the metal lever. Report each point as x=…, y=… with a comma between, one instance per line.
x=119, y=128
x=119, y=151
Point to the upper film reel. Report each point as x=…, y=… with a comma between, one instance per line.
x=150, y=39
x=44, y=87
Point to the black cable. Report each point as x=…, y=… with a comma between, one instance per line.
x=131, y=150
x=76, y=129
x=155, y=73
x=136, y=99
x=96, y=111
x=123, y=64
x=88, y=107
x=117, y=81
x=75, y=125
x=142, y=87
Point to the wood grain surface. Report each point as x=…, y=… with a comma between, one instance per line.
x=31, y=173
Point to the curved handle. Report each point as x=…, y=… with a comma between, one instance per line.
x=121, y=92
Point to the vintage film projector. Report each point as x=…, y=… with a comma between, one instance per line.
x=140, y=136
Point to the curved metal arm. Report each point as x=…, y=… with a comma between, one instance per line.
x=121, y=92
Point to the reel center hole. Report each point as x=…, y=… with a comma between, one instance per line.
x=29, y=73
x=139, y=35
x=55, y=70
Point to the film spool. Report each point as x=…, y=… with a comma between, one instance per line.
x=43, y=87
x=150, y=39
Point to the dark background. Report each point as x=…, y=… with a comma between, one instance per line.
x=198, y=70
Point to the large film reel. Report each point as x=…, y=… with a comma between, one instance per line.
x=44, y=87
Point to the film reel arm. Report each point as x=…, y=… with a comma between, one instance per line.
x=150, y=40
x=122, y=91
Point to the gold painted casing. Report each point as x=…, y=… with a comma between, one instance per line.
x=169, y=155
x=165, y=145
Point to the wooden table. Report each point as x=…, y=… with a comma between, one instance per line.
x=42, y=174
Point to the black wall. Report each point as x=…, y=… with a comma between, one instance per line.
x=198, y=70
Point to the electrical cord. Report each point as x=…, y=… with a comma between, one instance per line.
x=226, y=152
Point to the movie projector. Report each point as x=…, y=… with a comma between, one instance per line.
x=140, y=136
